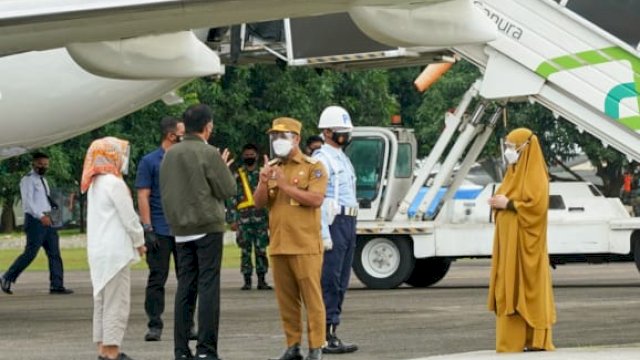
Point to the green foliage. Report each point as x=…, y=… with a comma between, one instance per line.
x=75, y=259
x=248, y=98
x=445, y=94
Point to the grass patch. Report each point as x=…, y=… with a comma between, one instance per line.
x=76, y=259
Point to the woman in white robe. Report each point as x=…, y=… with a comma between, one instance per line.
x=115, y=240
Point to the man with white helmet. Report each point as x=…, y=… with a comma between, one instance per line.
x=339, y=211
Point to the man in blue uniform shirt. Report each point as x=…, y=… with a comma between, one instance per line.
x=37, y=205
x=158, y=239
x=339, y=211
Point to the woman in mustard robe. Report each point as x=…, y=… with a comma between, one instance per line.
x=520, y=291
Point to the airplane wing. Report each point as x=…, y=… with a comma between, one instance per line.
x=27, y=25
x=88, y=62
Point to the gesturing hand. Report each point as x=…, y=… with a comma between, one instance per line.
x=279, y=176
x=265, y=172
x=225, y=157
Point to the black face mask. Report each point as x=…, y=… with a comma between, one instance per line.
x=341, y=138
x=249, y=161
x=41, y=170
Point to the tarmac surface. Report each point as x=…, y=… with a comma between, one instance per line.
x=598, y=318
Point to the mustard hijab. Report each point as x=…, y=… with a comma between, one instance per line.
x=520, y=276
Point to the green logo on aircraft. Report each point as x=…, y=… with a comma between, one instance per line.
x=617, y=93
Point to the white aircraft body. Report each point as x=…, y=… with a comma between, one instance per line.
x=70, y=66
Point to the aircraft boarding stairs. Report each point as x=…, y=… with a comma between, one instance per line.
x=555, y=54
x=547, y=52
x=578, y=58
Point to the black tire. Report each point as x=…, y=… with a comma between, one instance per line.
x=428, y=271
x=383, y=263
x=635, y=243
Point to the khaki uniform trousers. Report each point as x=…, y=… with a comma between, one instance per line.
x=297, y=281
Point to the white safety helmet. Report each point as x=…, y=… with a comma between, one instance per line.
x=335, y=117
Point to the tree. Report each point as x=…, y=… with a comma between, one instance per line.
x=11, y=171
x=248, y=98
x=445, y=94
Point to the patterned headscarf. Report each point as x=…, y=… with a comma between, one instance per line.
x=105, y=156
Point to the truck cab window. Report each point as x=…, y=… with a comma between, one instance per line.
x=403, y=164
x=367, y=155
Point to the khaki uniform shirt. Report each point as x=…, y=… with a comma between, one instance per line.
x=294, y=228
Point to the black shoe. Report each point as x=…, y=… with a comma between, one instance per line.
x=153, y=334
x=292, y=353
x=121, y=356
x=193, y=334
x=314, y=354
x=61, y=291
x=533, y=349
x=5, y=285
x=247, y=283
x=184, y=357
x=335, y=345
x=206, y=357
x=262, y=283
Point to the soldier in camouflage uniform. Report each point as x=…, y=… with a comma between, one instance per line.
x=251, y=224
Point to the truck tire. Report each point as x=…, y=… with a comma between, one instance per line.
x=428, y=271
x=636, y=250
x=383, y=263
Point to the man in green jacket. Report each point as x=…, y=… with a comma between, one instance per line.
x=194, y=182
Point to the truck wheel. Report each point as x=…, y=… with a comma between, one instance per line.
x=636, y=252
x=428, y=271
x=383, y=263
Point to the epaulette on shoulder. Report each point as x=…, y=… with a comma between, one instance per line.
x=310, y=160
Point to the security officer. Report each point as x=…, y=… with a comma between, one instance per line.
x=251, y=224
x=41, y=230
x=293, y=187
x=339, y=211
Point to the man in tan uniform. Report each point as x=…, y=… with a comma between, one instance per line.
x=293, y=187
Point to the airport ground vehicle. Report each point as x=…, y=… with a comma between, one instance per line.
x=565, y=55
x=416, y=244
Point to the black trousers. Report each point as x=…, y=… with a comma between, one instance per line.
x=336, y=266
x=158, y=258
x=199, y=264
x=39, y=236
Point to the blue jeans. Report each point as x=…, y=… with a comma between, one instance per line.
x=39, y=236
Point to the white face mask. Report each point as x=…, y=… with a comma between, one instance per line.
x=511, y=155
x=282, y=147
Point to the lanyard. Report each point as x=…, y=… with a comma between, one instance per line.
x=46, y=191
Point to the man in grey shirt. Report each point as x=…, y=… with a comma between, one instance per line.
x=37, y=205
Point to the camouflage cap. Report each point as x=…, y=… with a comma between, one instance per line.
x=285, y=124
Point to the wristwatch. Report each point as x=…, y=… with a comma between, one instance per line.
x=147, y=227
